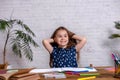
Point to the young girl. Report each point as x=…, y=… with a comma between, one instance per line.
x=63, y=47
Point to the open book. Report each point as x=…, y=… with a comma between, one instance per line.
x=63, y=70
x=6, y=76
x=21, y=74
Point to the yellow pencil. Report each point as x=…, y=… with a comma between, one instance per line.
x=87, y=78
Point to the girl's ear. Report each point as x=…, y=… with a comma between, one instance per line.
x=54, y=39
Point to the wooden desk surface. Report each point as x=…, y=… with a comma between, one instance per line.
x=104, y=75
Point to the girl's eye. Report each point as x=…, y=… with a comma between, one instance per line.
x=59, y=36
x=65, y=36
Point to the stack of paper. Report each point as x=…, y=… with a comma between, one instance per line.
x=54, y=75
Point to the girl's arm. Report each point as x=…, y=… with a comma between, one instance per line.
x=47, y=45
x=81, y=42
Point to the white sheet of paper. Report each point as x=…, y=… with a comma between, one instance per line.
x=63, y=69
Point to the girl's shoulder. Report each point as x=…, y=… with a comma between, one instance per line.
x=72, y=47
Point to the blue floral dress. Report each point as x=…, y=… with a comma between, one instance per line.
x=63, y=57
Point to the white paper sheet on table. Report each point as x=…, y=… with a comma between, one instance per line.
x=63, y=69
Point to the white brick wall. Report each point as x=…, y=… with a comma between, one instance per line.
x=91, y=18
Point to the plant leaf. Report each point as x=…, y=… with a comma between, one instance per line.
x=28, y=52
x=114, y=36
x=117, y=25
x=17, y=48
x=24, y=26
x=26, y=38
x=4, y=24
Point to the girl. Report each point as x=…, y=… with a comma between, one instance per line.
x=63, y=47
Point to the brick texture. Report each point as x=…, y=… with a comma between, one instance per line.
x=93, y=19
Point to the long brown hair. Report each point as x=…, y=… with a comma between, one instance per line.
x=71, y=42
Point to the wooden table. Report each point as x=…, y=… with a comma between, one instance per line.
x=104, y=75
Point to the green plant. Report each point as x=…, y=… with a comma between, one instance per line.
x=117, y=26
x=20, y=37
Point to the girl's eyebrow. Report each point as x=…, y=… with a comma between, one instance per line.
x=66, y=34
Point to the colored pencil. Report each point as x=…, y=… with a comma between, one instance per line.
x=87, y=78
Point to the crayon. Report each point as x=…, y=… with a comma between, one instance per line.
x=82, y=74
x=72, y=73
x=91, y=74
x=87, y=78
x=80, y=71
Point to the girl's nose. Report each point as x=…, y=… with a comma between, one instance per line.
x=62, y=37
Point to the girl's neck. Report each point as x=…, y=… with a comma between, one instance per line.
x=62, y=46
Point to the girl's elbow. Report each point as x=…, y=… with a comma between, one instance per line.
x=44, y=41
x=84, y=39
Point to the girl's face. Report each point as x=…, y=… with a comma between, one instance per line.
x=61, y=38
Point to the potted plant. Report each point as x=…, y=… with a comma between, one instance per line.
x=20, y=37
x=116, y=56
